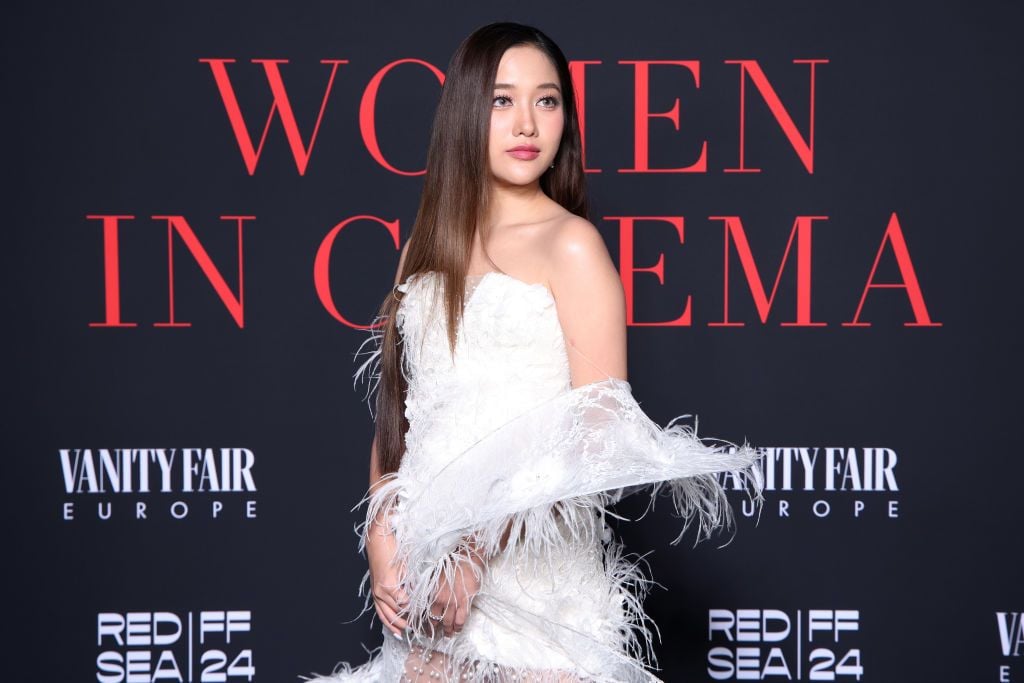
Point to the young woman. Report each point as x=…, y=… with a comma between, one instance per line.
x=505, y=427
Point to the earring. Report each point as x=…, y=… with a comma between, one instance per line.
x=552, y=165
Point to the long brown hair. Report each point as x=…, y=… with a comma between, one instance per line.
x=456, y=193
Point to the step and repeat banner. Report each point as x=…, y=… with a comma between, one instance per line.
x=812, y=207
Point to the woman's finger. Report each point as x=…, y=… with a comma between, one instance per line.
x=382, y=598
x=449, y=615
x=400, y=594
x=390, y=595
x=391, y=618
x=461, y=614
x=399, y=597
x=384, y=618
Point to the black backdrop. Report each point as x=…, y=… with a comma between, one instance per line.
x=114, y=110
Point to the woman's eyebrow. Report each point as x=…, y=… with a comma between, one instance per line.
x=539, y=87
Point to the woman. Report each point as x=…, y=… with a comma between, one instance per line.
x=505, y=426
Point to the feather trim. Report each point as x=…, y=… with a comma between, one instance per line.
x=540, y=486
x=369, y=370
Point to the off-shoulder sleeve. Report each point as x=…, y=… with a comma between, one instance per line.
x=551, y=468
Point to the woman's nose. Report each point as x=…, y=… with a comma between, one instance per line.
x=524, y=120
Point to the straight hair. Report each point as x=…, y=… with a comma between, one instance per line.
x=455, y=200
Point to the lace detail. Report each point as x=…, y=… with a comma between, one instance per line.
x=499, y=441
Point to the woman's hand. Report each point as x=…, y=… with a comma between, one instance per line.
x=385, y=575
x=453, y=598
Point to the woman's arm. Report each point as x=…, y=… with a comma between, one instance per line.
x=378, y=524
x=375, y=473
x=590, y=301
x=381, y=544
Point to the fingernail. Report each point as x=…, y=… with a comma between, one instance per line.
x=398, y=636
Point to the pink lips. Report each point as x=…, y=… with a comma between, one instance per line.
x=525, y=152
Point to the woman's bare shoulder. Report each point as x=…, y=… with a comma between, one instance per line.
x=563, y=251
x=577, y=252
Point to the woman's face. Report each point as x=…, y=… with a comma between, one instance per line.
x=526, y=112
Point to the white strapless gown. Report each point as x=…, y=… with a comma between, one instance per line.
x=498, y=437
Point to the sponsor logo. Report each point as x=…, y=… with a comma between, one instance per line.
x=1010, y=626
x=141, y=483
x=776, y=645
x=209, y=645
x=825, y=480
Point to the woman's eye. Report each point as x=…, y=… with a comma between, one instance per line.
x=547, y=101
